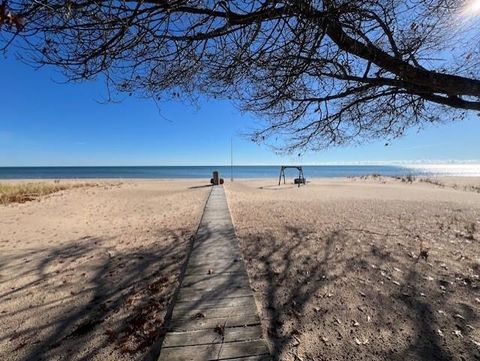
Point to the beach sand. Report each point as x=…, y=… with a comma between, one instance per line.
x=338, y=273
x=87, y=273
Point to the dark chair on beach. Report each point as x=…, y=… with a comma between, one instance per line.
x=216, y=180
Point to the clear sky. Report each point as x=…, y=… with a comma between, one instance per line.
x=43, y=122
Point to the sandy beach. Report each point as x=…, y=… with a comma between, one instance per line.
x=87, y=273
x=342, y=269
x=364, y=269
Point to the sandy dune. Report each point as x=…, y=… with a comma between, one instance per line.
x=336, y=270
x=87, y=274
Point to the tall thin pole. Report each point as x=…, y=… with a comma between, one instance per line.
x=231, y=159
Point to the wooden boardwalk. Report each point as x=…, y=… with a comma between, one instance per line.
x=215, y=316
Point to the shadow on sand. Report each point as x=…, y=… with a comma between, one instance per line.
x=86, y=300
x=125, y=302
x=202, y=186
x=294, y=282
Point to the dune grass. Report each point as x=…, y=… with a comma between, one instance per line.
x=24, y=192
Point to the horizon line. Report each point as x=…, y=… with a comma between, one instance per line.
x=359, y=163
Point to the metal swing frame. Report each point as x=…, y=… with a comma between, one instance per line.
x=300, y=180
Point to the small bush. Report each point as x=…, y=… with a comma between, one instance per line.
x=472, y=189
x=471, y=228
x=409, y=178
x=372, y=175
x=432, y=181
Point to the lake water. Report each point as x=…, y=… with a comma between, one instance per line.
x=238, y=171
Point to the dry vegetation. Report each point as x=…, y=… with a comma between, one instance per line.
x=459, y=183
x=21, y=192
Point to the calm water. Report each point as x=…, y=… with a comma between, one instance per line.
x=225, y=171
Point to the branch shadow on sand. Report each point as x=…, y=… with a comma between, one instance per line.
x=83, y=299
x=351, y=300
x=324, y=297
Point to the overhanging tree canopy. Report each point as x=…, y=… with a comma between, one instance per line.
x=321, y=73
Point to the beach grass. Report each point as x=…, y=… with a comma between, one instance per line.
x=24, y=192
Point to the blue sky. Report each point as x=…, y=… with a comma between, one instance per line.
x=43, y=122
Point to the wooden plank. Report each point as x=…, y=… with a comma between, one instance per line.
x=221, y=252
x=218, y=262
x=235, y=320
x=216, y=351
x=198, y=259
x=220, y=246
x=215, y=237
x=222, y=261
x=215, y=294
x=207, y=312
x=216, y=285
x=227, y=302
x=209, y=256
x=213, y=278
x=217, y=267
x=218, y=226
x=220, y=243
x=201, y=337
x=220, y=249
x=252, y=358
x=210, y=281
x=216, y=240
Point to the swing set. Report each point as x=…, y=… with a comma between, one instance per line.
x=300, y=180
